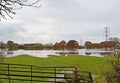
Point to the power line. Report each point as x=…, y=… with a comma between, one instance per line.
x=107, y=33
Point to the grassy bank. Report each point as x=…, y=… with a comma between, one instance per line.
x=87, y=63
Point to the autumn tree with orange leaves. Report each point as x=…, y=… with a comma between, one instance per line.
x=72, y=44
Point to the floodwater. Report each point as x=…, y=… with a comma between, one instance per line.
x=45, y=53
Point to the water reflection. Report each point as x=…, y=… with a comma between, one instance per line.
x=66, y=53
x=99, y=52
x=88, y=53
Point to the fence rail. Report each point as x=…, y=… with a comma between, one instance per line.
x=35, y=74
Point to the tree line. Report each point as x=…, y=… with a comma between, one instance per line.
x=70, y=45
x=63, y=45
x=10, y=45
x=111, y=43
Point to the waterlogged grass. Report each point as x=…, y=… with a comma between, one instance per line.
x=86, y=63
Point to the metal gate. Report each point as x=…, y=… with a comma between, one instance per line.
x=35, y=74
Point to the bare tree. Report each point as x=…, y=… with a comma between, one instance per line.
x=8, y=7
x=2, y=55
x=2, y=51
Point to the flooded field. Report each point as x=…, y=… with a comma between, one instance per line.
x=45, y=53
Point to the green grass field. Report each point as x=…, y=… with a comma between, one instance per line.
x=93, y=64
x=83, y=63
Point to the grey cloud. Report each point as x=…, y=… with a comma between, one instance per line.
x=10, y=32
x=64, y=20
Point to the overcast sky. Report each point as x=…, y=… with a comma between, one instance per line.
x=56, y=20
